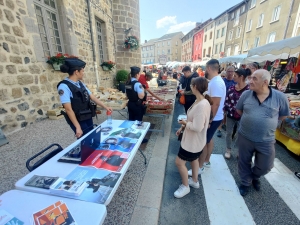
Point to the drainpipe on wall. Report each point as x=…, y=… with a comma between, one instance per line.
x=93, y=45
x=289, y=19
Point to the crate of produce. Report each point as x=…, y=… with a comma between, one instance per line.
x=160, y=104
x=159, y=111
x=115, y=104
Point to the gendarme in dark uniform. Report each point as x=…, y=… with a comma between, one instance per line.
x=76, y=97
x=136, y=95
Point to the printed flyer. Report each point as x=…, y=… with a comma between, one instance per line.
x=99, y=182
x=106, y=159
x=56, y=214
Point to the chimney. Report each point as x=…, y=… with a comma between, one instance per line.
x=145, y=41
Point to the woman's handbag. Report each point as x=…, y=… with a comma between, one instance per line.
x=180, y=135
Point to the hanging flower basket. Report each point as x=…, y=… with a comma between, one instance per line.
x=131, y=43
x=107, y=65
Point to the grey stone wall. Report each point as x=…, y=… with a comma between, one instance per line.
x=126, y=15
x=27, y=83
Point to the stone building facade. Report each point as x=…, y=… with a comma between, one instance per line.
x=236, y=29
x=169, y=45
x=148, y=52
x=269, y=21
x=31, y=30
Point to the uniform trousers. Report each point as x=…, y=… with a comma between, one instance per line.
x=136, y=112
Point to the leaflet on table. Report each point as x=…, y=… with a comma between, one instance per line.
x=41, y=181
x=107, y=159
x=56, y=214
x=68, y=187
x=72, y=156
x=7, y=219
x=99, y=182
x=126, y=124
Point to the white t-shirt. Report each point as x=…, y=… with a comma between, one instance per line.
x=217, y=88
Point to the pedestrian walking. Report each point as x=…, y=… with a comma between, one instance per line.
x=260, y=108
x=217, y=92
x=185, y=82
x=194, y=136
x=232, y=96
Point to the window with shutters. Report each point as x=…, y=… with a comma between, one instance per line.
x=49, y=27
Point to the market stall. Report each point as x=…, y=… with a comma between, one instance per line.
x=234, y=59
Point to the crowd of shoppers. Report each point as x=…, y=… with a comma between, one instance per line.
x=234, y=96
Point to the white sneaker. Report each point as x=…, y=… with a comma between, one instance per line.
x=200, y=171
x=206, y=164
x=193, y=183
x=182, y=191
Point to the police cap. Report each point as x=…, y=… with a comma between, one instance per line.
x=74, y=63
x=135, y=69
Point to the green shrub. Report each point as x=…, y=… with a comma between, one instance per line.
x=121, y=76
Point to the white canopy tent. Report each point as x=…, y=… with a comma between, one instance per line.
x=276, y=50
x=233, y=59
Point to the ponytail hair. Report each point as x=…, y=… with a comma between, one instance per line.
x=128, y=79
x=208, y=98
x=247, y=72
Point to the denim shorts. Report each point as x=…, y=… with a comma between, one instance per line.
x=212, y=129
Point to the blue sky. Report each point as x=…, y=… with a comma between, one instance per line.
x=158, y=17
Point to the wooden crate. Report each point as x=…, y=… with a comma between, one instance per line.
x=159, y=111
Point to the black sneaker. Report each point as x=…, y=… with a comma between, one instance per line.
x=144, y=141
x=219, y=134
x=297, y=174
x=256, y=184
x=243, y=190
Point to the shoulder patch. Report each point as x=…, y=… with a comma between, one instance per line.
x=141, y=86
x=60, y=92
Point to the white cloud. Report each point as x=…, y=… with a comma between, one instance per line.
x=166, y=21
x=185, y=27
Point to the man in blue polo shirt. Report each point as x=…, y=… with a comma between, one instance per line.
x=260, y=107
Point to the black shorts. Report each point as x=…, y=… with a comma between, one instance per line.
x=212, y=129
x=188, y=156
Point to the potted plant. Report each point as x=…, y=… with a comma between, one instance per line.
x=121, y=78
x=57, y=60
x=131, y=43
x=108, y=65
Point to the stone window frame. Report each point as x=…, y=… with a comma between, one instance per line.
x=256, y=41
x=228, y=51
x=45, y=7
x=103, y=39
